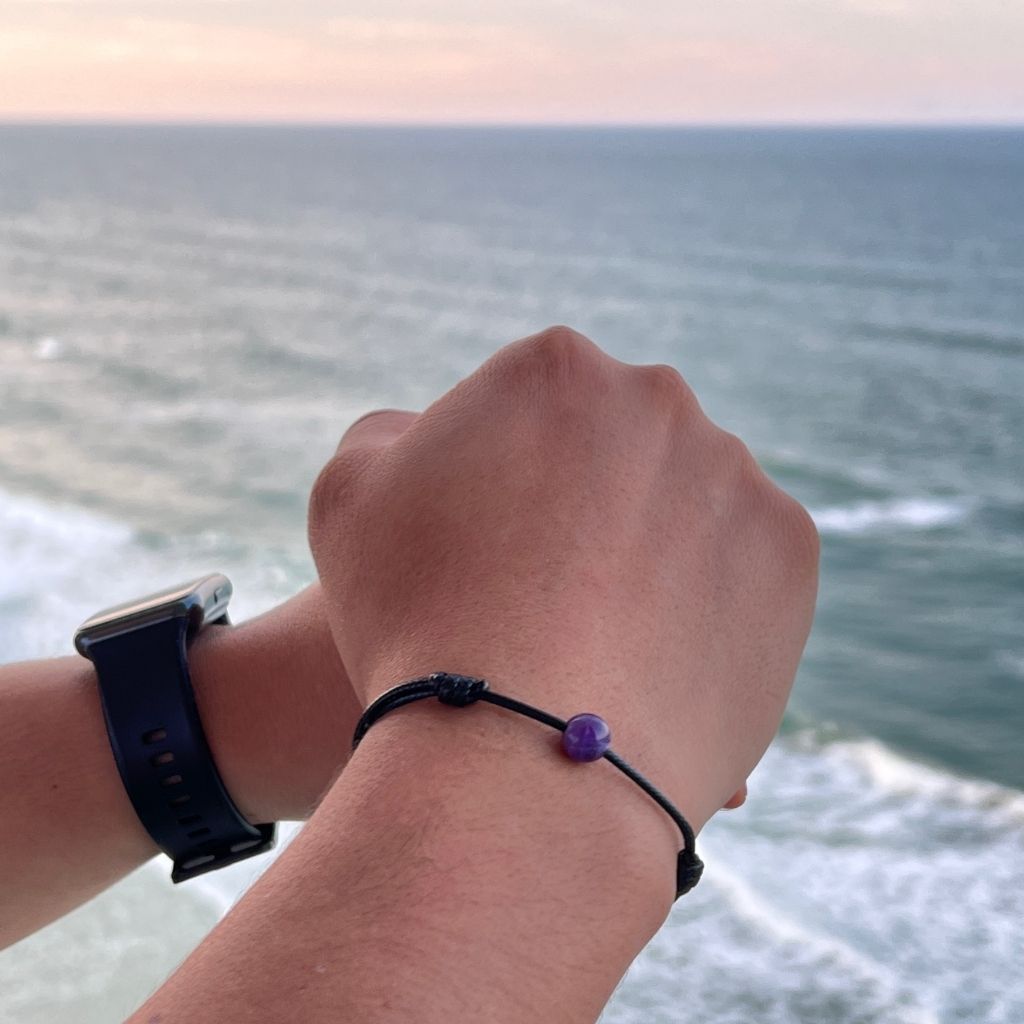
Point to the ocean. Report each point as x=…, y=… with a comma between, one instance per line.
x=190, y=316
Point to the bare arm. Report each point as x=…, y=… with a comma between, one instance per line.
x=458, y=870
x=576, y=531
x=273, y=698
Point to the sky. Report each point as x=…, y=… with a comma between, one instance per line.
x=513, y=61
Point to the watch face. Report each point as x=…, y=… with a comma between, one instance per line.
x=205, y=599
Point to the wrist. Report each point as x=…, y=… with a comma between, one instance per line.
x=627, y=842
x=457, y=870
x=276, y=707
x=671, y=754
x=529, y=870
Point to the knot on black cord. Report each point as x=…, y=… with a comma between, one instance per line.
x=458, y=691
x=689, y=868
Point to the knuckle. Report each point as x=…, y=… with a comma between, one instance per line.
x=791, y=534
x=369, y=419
x=332, y=490
x=737, y=457
x=320, y=500
x=559, y=369
x=732, y=478
x=800, y=533
x=558, y=351
x=668, y=386
x=792, y=530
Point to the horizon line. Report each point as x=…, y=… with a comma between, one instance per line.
x=825, y=125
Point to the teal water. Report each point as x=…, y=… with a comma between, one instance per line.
x=189, y=317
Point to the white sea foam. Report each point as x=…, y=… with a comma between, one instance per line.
x=48, y=348
x=50, y=558
x=29, y=526
x=856, y=886
x=898, y=775
x=903, y=513
x=59, y=562
x=1011, y=661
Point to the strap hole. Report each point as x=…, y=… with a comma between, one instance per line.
x=154, y=735
x=247, y=845
x=198, y=833
x=165, y=758
x=179, y=800
x=171, y=780
x=197, y=861
x=190, y=819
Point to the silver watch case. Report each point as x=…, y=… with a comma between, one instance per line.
x=202, y=601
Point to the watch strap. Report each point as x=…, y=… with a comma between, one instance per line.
x=162, y=753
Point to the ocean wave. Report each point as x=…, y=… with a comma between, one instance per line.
x=1011, y=661
x=977, y=337
x=53, y=560
x=60, y=562
x=28, y=523
x=894, y=774
x=900, y=513
x=855, y=886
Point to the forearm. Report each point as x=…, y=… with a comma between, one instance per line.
x=273, y=699
x=459, y=870
x=69, y=829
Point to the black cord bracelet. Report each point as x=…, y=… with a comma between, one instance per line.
x=585, y=737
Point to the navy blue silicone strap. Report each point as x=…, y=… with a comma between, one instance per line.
x=162, y=753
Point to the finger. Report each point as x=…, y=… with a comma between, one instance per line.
x=737, y=799
x=376, y=429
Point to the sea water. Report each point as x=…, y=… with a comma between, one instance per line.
x=189, y=317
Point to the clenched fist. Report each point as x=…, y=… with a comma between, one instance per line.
x=578, y=532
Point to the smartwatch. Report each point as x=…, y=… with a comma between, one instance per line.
x=140, y=652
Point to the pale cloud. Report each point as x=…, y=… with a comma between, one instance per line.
x=371, y=30
x=23, y=42
x=892, y=8
x=530, y=60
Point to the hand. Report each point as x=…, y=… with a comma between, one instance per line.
x=275, y=704
x=577, y=531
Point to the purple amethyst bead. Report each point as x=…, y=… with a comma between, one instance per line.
x=586, y=737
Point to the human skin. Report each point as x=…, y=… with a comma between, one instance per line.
x=579, y=533
x=276, y=707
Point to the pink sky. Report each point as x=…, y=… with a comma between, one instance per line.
x=515, y=61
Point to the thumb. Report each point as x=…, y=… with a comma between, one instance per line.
x=737, y=799
x=376, y=429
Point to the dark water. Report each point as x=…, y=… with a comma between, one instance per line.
x=190, y=316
